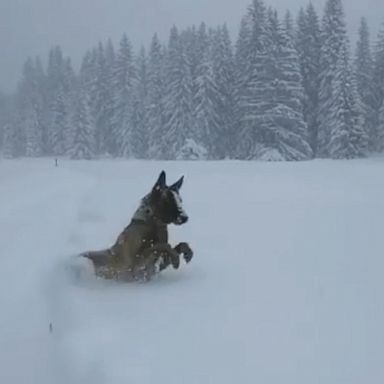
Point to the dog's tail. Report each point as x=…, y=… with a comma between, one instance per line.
x=98, y=258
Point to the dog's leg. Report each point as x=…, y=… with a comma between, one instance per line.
x=184, y=249
x=153, y=260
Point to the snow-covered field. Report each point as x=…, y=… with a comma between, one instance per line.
x=286, y=285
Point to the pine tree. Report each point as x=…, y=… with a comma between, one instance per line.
x=289, y=25
x=283, y=114
x=364, y=81
x=4, y=116
x=108, y=141
x=206, y=104
x=42, y=105
x=30, y=96
x=224, y=72
x=347, y=139
x=273, y=125
x=178, y=106
x=341, y=134
x=378, y=86
x=70, y=91
x=243, y=53
x=96, y=76
x=60, y=96
x=140, y=108
x=308, y=45
x=84, y=134
x=124, y=78
x=8, y=140
x=109, y=55
x=156, y=98
x=380, y=129
x=99, y=64
x=252, y=62
x=7, y=115
x=27, y=112
x=193, y=41
x=100, y=110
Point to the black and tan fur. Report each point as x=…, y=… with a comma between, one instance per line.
x=142, y=248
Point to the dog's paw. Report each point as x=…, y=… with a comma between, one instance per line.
x=184, y=249
x=175, y=261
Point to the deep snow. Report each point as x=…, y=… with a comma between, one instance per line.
x=285, y=287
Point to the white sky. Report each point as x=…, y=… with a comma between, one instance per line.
x=31, y=27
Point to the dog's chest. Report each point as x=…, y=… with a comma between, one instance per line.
x=158, y=235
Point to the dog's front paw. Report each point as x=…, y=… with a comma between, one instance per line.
x=185, y=249
x=171, y=256
x=175, y=260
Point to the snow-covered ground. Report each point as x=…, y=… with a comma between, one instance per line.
x=286, y=285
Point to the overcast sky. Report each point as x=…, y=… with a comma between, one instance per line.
x=31, y=27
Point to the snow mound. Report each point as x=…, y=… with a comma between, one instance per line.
x=263, y=153
x=191, y=150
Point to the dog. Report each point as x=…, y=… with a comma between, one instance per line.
x=142, y=249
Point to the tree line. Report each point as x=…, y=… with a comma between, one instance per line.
x=289, y=88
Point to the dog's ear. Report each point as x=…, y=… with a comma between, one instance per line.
x=176, y=187
x=161, y=182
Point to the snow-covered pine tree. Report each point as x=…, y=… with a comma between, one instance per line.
x=87, y=74
x=7, y=116
x=60, y=95
x=42, y=105
x=100, y=100
x=380, y=129
x=287, y=133
x=289, y=25
x=243, y=54
x=84, y=142
x=55, y=63
x=70, y=91
x=378, y=86
x=347, y=139
x=8, y=140
x=198, y=50
x=107, y=145
x=225, y=81
x=364, y=81
x=30, y=108
x=156, y=98
x=178, y=99
x=96, y=79
x=123, y=83
x=140, y=108
x=341, y=134
x=273, y=123
x=109, y=55
x=206, y=117
x=59, y=123
x=7, y=121
x=194, y=41
x=251, y=61
x=308, y=46
x=3, y=118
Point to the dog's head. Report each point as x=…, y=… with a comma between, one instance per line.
x=166, y=201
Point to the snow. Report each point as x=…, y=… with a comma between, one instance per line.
x=285, y=286
x=192, y=151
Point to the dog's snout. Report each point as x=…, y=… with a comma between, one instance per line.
x=183, y=219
